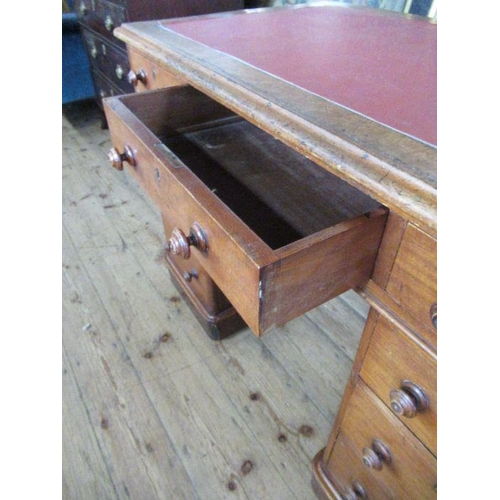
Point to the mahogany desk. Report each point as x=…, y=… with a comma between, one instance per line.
x=292, y=154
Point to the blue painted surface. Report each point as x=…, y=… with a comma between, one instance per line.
x=76, y=77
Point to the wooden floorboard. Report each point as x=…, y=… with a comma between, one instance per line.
x=152, y=408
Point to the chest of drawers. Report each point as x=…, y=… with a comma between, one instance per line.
x=279, y=188
x=387, y=424
x=107, y=54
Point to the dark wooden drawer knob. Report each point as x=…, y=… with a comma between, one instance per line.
x=82, y=9
x=116, y=159
x=355, y=492
x=409, y=400
x=433, y=313
x=179, y=243
x=135, y=77
x=119, y=72
x=108, y=23
x=377, y=455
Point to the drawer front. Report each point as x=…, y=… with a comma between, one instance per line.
x=102, y=16
x=103, y=87
x=404, y=377
x=413, y=279
x=372, y=428
x=147, y=75
x=148, y=170
x=197, y=280
x=351, y=476
x=267, y=286
x=109, y=60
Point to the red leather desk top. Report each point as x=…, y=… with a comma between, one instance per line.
x=377, y=63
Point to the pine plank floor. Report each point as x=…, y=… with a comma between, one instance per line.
x=152, y=408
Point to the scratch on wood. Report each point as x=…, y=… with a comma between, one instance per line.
x=76, y=299
x=304, y=430
x=114, y=205
x=124, y=244
x=125, y=489
x=107, y=369
x=231, y=361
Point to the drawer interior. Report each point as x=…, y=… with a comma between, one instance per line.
x=284, y=235
x=281, y=195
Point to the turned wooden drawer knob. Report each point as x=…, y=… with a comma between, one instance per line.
x=409, y=400
x=179, y=243
x=190, y=275
x=357, y=491
x=135, y=77
x=116, y=159
x=377, y=455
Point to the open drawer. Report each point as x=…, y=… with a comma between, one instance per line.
x=277, y=233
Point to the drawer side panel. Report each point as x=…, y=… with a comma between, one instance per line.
x=234, y=255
